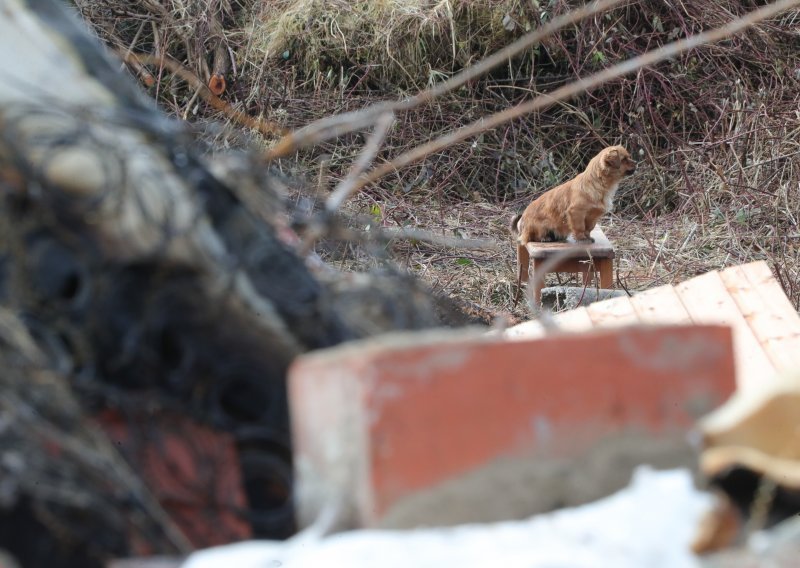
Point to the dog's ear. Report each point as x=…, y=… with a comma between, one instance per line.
x=613, y=158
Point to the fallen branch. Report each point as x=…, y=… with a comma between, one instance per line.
x=139, y=60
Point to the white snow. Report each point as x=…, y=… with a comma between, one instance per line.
x=649, y=524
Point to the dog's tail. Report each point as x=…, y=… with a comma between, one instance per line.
x=513, y=225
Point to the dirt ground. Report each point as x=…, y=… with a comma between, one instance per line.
x=649, y=252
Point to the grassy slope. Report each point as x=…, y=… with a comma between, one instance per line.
x=717, y=130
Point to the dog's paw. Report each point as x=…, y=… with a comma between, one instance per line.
x=585, y=240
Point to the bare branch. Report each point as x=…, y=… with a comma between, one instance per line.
x=334, y=126
x=502, y=56
x=577, y=87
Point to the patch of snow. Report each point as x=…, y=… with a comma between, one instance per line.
x=648, y=524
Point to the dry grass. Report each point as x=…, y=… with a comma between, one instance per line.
x=717, y=129
x=385, y=44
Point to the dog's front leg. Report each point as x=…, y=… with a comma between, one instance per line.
x=577, y=225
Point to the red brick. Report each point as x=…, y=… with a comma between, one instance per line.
x=377, y=421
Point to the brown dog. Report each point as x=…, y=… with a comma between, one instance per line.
x=574, y=207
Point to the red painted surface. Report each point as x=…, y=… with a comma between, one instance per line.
x=418, y=415
x=192, y=470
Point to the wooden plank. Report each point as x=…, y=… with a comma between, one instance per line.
x=574, y=320
x=571, y=321
x=660, y=306
x=612, y=313
x=601, y=247
x=707, y=300
x=768, y=311
x=525, y=330
x=759, y=274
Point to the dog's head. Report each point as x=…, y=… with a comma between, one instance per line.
x=617, y=161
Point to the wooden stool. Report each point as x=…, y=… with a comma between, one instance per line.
x=598, y=258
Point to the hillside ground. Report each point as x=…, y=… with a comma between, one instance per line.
x=716, y=130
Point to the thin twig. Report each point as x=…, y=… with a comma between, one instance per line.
x=373, y=145
x=441, y=240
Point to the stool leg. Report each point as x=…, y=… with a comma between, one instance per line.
x=523, y=262
x=539, y=282
x=606, y=272
x=523, y=266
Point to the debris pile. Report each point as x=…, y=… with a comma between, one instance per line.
x=151, y=302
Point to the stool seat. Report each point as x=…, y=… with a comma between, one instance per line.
x=595, y=257
x=600, y=248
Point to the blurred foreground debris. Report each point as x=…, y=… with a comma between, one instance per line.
x=777, y=548
x=751, y=456
x=58, y=467
x=147, y=298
